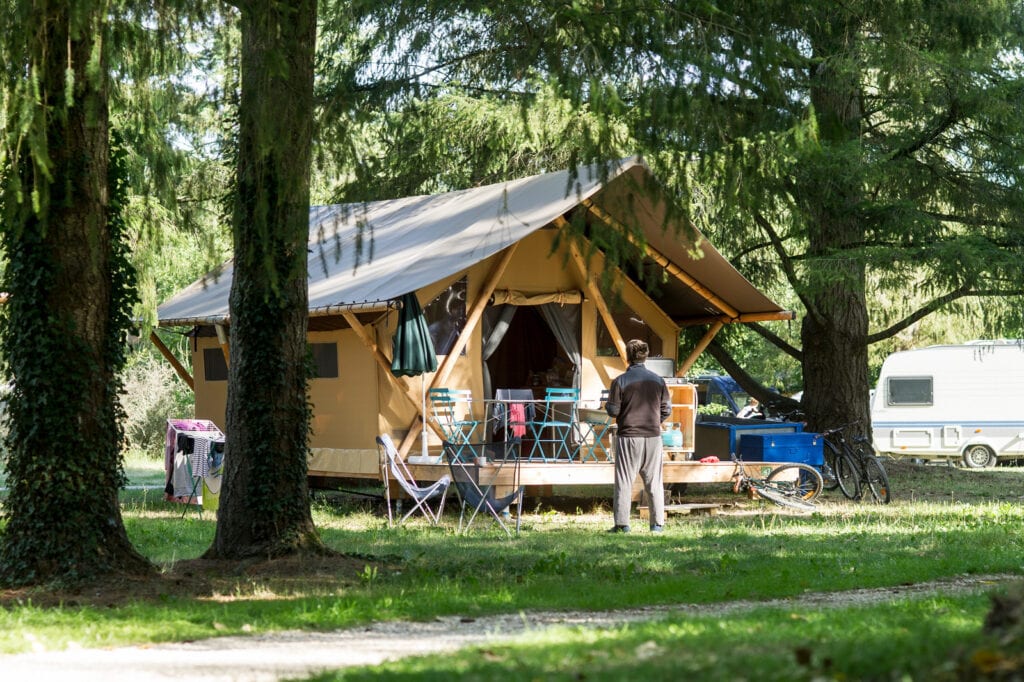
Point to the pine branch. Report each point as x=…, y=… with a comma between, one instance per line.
x=777, y=341
x=751, y=385
x=787, y=263
x=947, y=121
x=933, y=305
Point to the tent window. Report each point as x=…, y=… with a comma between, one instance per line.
x=214, y=366
x=631, y=326
x=325, y=360
x=446, y=317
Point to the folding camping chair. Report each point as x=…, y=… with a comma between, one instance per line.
x=557, y=417
x=476, y=478
x=452, y=410
x=392, y=467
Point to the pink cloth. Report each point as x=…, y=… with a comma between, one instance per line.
x=517, y=417
x=710, y=459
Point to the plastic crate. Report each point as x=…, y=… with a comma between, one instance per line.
x=783, y=447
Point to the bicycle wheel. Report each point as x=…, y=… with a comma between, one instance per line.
x=808, y=483
x=848, y=474
x=877, y=480
x=828, y=470
x=787, y=497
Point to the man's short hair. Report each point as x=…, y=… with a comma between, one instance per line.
x=636, y=351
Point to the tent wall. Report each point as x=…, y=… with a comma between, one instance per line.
x=362, y=402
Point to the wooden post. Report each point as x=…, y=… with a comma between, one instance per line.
x=594, y=291
x=385, y=364
x=664, y=262
x=169, y=356
x=222, y=339
x=699, y=348
x=475, y=314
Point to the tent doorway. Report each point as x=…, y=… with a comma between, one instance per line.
x=529, y=354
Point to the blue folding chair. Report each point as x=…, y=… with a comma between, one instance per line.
x=452, y=410
x=474, y=479
x=555, y=423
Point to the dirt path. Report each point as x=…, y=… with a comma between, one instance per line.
x=291, y=654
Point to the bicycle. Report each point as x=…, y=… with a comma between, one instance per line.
x=855, y=465
x=790, y=485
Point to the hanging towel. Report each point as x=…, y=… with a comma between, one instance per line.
x=517, y=413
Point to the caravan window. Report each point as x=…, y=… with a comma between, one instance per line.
x=909, y=391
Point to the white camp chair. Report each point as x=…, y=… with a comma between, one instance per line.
x=392, y=467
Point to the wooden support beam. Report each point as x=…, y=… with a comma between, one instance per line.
x=169, y=356
x=222, y=339
x=475, y=315
x=745, y=317
x=403, y=389
x=664, y=262
x=594, y=291
x=699, y=348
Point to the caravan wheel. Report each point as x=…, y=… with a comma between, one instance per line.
x=978, y=456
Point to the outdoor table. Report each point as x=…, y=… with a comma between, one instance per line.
x=569, y=441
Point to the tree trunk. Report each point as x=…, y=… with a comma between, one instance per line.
x=834, y=331
x=63, y=339
x=264, y=507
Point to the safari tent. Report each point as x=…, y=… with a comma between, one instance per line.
x=514, y=283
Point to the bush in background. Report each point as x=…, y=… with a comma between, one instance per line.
x=153, y=393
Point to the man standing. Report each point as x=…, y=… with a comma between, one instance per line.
x=639, y=401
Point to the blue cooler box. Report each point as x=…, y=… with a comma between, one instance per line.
x=723, y=438
x=783, y=447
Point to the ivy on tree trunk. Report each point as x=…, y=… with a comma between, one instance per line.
x=70, y=289
x=264, y=506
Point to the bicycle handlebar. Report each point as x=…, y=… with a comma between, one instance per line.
x=841, y=428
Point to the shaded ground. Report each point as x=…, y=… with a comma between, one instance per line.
x=282, y=655
x=197, y=578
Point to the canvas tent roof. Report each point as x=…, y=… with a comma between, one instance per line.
x=412, y=242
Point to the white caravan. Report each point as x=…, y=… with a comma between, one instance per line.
x=945, y=402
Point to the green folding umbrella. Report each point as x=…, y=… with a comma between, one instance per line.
x=414, y=350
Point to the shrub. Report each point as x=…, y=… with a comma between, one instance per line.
x=153, y=393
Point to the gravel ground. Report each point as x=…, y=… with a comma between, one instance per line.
x=280, y=655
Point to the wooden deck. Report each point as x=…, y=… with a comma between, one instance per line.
x=544, y=478
x=600, y=473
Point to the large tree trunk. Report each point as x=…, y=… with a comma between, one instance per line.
x=264, y=508
x=68, y=307
x=834, y=331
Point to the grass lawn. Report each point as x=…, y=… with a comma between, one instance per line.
x=944, y=523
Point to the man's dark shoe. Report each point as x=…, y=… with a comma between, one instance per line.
x=657, y=529
x=619, y=529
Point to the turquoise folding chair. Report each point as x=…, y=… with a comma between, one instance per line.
x=452, y=410
x=555, y=423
